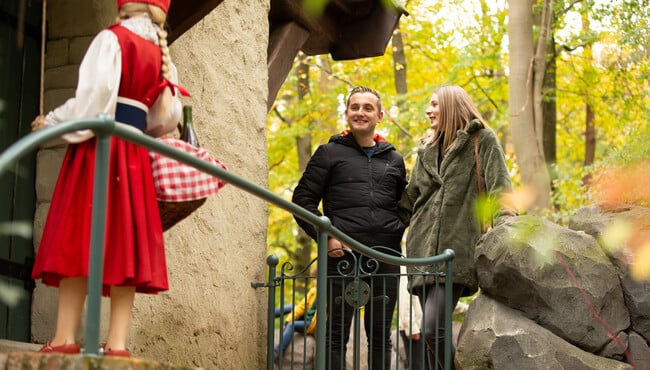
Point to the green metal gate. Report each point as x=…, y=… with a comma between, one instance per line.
x=288, y=288
x=20, y=50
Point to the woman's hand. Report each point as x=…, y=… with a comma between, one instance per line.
x=38, y=122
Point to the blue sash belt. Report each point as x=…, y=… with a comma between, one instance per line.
x=130, y=115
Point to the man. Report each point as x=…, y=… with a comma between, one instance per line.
x=359, y=177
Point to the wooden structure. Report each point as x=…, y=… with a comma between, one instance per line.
x=346, y=29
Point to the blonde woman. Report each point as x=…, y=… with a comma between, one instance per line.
x=439, y=202
x=126, y=72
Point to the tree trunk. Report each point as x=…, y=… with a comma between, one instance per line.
x=590, y=116
x=303, y=146
x=399, y=65
x=590, y=135
x=399, y=73
x=549, y=106
x=549, y=112
x=523, y=85
x=539, y=69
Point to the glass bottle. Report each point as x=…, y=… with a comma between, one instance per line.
x=187, y=133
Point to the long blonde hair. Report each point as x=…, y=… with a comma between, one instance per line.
x=457, y=110
x=159, y=17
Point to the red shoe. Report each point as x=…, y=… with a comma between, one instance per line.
x=64, y=348
x=117, y=353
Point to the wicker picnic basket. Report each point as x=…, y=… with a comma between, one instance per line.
x=182, y=189
x=172, y=213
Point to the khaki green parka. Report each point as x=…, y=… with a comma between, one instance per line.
x=439, y=203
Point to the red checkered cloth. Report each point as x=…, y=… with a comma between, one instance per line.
x=178, y=182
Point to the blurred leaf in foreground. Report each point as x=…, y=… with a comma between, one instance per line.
x=18, y=228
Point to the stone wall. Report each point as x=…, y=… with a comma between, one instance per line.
x=210, y=317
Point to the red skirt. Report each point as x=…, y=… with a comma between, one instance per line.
x=134, y=252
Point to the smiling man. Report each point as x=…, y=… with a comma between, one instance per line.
x=359, y=177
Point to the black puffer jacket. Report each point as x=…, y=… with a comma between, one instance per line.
x=360, y=194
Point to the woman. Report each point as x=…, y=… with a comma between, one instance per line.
x=126, y=72
x=440, y=200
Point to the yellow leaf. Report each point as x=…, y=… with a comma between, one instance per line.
x=616, y=234
x=640, y=267
x=520, y=199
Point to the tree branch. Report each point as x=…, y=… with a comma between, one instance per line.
x=393, y=121
x=280, y=116
x=494, y=104
x=276, y=164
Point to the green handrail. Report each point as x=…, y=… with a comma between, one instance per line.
x=104, y=126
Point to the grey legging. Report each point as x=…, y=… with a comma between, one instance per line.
x=433, y=322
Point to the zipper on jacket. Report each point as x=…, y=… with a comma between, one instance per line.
x=372, y=189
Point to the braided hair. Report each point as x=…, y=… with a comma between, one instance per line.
x=159, y=17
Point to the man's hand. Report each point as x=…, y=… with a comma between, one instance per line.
x=336, y=244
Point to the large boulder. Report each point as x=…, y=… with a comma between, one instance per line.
x=557, y=277
x=494, y=336
x=594, y=220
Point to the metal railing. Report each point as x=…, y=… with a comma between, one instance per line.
x=104, y=126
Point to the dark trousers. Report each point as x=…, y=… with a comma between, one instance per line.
x=378, y=313
x=415, y=352
x=433, y=325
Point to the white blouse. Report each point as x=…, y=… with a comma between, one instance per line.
x=99, y=82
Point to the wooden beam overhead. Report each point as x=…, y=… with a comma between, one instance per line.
x=346, y=29
x=285, y=41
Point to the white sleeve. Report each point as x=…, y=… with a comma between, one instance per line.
x=176, y=108
x=417, y=314
x=97, y=88
x=161, y=121
x=410, y=311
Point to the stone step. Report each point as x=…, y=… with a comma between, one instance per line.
x=7, y=346
x=13, y=355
